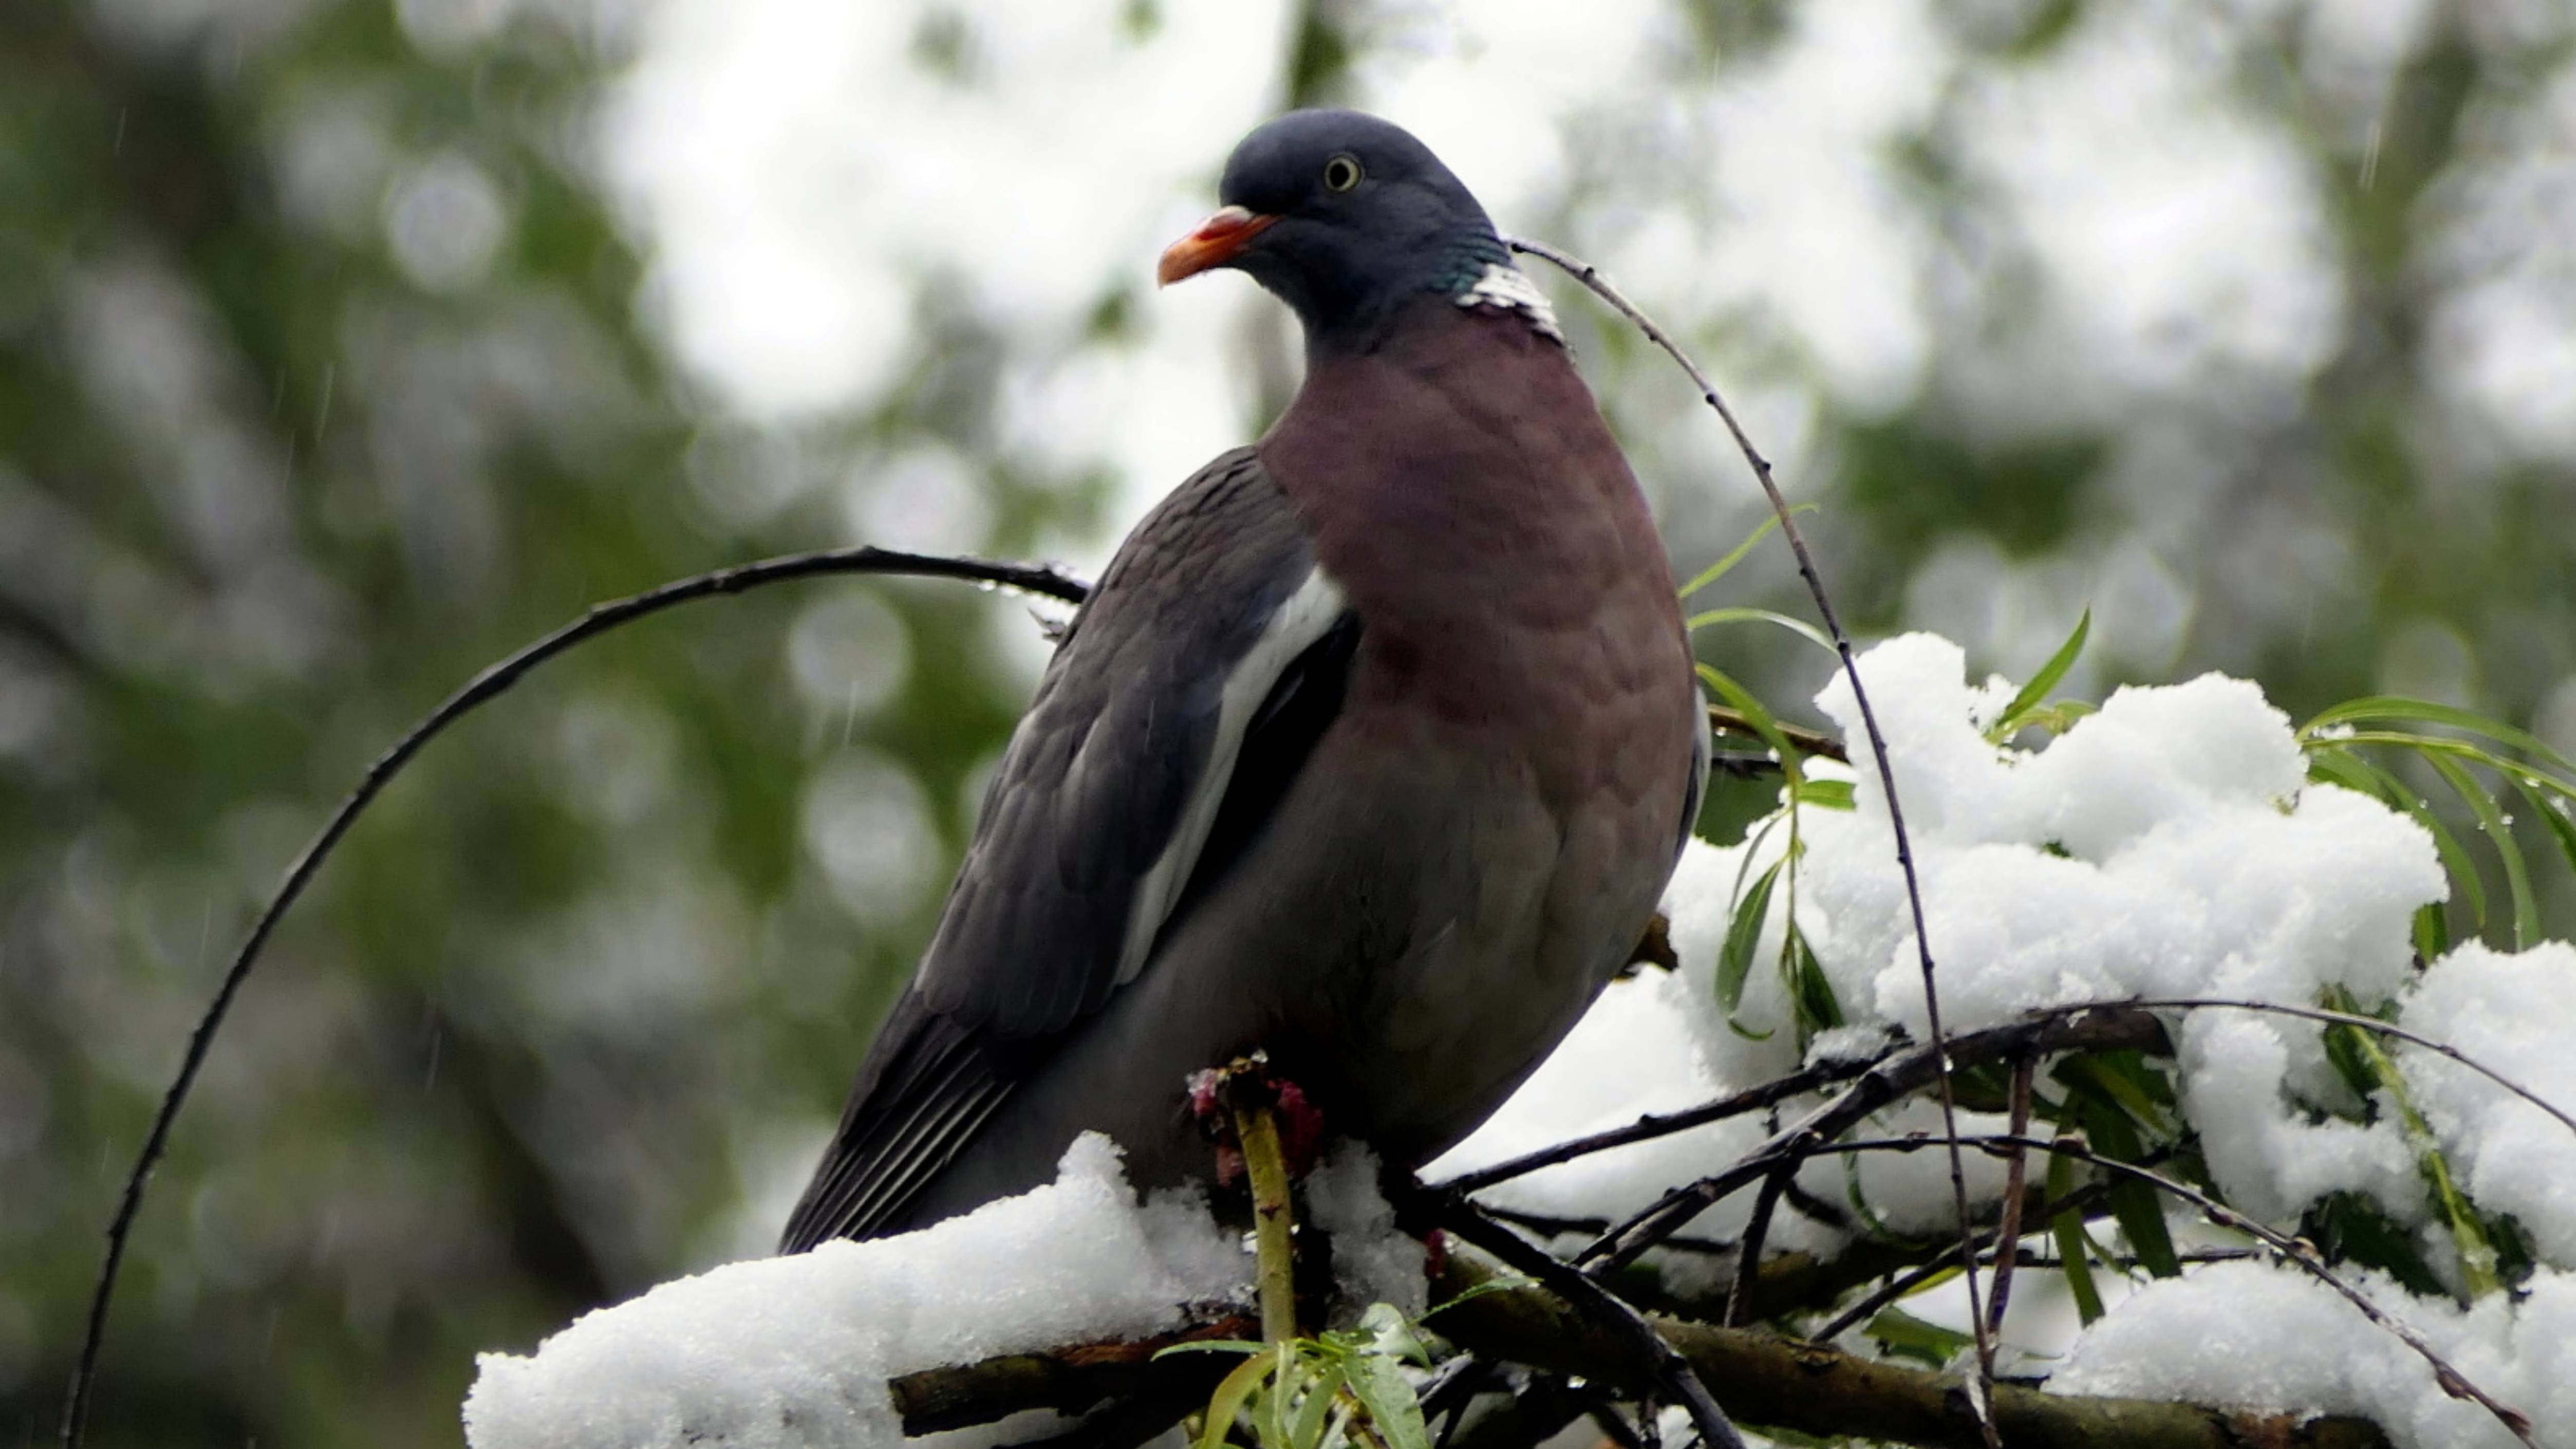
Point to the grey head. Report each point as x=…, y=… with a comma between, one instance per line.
x=1346, y=218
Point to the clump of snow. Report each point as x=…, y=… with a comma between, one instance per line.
x=794, y=1353
x=2517, y=1015
x=2272, y=1161
x=2265, y=1336
x=1373, y=1262
x=2168, y=844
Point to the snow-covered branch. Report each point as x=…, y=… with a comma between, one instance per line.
x=2302, y=1077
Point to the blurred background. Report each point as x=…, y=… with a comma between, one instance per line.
x=346, y=346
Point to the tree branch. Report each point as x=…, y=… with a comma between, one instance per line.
x=1767, y=1380
x=483, y=688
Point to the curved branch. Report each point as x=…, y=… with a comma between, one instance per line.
x=2346, y=1018
x=494, y=681
x=1590, y=276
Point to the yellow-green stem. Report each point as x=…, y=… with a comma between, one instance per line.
x=1258, y=1131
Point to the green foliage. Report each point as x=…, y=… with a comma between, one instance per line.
x=1342, y=1387
x=1900, y=1334
x=2030, y=705
x=1812, y=1005
x=2365, y=1063
x=2341, y=744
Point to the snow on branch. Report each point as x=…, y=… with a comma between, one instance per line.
x=2185, y=955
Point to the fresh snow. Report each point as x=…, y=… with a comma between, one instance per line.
x=794, y=1353
x=2167, y=845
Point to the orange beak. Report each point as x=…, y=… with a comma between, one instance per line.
x=1220, y=239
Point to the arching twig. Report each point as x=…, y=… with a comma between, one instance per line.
x=1590, y=276
x=2346, y=1018
x=480, y=690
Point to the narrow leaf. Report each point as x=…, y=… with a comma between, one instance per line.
x=1719, y=569
x=2134, y=1205
x=2517, y=876
x=1903, y=1335
x=1748, y=615
x=2044, y=681
x=1227, y=1401
x=1812, y=993
x=1743, y=702
x=1826, y=794
x=1308, y=1430
x=2073, y=1248
x=2553, y=815
x=1735, y=959
x=2400, y=707
x=1272, y=1411
x=1389, y=1399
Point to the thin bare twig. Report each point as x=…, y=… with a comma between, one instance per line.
x=2086, y=1199
x=1748, y=1257
x=2009, y=1231
x=1590, y=276
x=2346, y=1018
x=1673, y=1372
x=1653, y=1125
x=480, y=690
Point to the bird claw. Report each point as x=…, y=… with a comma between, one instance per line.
x=1247, y=1083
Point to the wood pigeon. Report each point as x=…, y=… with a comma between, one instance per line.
x=1372, y=749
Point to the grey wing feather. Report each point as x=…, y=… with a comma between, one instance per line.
x=1090, y=834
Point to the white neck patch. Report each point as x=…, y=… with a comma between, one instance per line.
x=1506, y=288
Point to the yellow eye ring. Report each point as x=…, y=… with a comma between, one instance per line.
x=1342, y=172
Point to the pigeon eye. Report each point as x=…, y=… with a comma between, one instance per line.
x=1342, y=173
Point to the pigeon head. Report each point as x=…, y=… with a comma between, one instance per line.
x=1346, y=218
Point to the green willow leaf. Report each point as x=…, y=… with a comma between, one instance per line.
x=2400, y=707
x=1902, y=1335
x=1314, y=1412
x=1826, y=794
x=2074, y=1249
x=2517, y=875
x=1747, y=615
x=1809, y=991
x=1735, y=959
x=1228, y=1400
x=2553, y=814
x=1382, y=1389
x=1741, y=700
x=2041, y=683
x=1722, y=567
